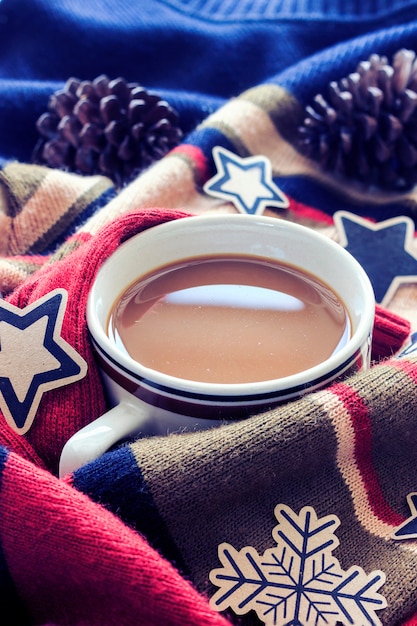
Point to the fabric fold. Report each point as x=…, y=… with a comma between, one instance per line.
x=132, y=537
x=347, y=451
x=73, y=563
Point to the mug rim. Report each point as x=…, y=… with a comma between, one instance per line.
x=328, y=369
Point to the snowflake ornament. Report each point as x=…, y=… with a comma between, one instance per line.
x=299, y=582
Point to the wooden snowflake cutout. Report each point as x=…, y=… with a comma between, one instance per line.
x=299, y=582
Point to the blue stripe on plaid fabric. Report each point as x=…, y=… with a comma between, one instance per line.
x=116, y=482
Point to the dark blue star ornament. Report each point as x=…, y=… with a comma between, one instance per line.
x=34, y=358
x=246, y=182
x=383, y=249
x=408, y=529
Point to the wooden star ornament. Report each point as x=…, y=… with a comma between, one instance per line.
x=384, y=249
x=34, y=358
x=246, y=182
x=408, y=529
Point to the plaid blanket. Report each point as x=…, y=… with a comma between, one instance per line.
x=304, y=514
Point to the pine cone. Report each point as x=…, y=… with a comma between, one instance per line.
x=108, y=127
x=366, y=127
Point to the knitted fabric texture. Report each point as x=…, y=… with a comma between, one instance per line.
x=348, y=449
x=79, y=403
x=83, y=401
x=131, y=538
x=72, y=562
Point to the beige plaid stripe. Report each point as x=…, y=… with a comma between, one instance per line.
x=40, y=203
x=222, y=485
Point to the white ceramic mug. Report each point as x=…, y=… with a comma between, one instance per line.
x=147, y=402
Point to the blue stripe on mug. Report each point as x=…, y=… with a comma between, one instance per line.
x=215, y=407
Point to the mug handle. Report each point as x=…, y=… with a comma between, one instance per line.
x=90, y=442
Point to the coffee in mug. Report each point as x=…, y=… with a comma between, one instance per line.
x=214, y=295
x=229, y=319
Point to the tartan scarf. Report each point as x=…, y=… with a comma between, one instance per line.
x=348, y=450
x=147, y=518
x=333, y=450
x=65, y=560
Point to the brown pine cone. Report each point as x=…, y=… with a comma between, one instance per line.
x=365, y=127
x=104, y=126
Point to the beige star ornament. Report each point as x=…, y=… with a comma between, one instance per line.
x=34, y=358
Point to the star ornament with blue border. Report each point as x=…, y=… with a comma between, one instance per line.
x=384, y=249
x=246, y=182
x=408, y=529
x=34, y=358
